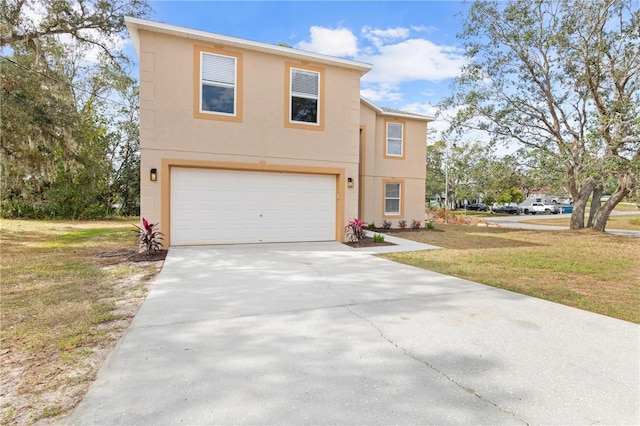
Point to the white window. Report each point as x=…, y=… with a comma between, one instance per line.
x=305, y=89
x=217, y=84
x=392, y=198
x=394, y=139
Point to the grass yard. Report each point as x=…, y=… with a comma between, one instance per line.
x=588, y=270
x=68, y=292
x=627, y=222
x=627, y=207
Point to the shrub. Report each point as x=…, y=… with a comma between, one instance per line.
x=430, y=225
x=402, y=224
x=372, y=225
x=355, y=230
x=148, y=237
x=378, y=238
x=386, y=224
x=415, y=224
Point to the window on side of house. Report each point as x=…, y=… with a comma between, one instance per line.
x=218, y=84
x=392, y=191
x=395, y=139
x=305, y=96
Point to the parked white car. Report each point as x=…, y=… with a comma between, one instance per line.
x=542, y=208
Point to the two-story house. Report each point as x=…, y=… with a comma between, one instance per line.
x=243, y=142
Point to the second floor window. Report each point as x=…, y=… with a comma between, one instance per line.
x=218, y=84
x=394, y=140
x=305, y=89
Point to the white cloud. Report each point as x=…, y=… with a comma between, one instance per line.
x=423, y=109
x=381, y=93
x=424, y=28
x=380, y=37
x=442, y=117
x=413, y=60
x=396, y=57
x=335, y=42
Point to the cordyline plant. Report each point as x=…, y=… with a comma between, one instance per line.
x=355, y=230
x=148, y=236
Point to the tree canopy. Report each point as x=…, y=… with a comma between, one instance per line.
x=68, y=144
x=561, y=80
x=473, y=171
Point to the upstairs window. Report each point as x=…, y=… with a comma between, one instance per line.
x=304, y=96
x=305, y=91
x=218, y=84
x=395, y=140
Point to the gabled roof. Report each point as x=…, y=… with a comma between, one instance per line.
x=394, y=112
x=134, y=25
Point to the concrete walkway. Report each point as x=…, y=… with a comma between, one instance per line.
x=319, y=333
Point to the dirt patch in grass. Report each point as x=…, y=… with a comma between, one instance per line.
x=68, y=293
x=589, y=270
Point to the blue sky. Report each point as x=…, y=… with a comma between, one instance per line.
x=412, y=45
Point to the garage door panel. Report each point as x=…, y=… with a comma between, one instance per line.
x=224, y=206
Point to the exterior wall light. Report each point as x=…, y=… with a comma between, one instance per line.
x=349, y=182
x=153, y=175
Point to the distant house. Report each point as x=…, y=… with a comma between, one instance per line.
x=543, y=194
x=245, y=142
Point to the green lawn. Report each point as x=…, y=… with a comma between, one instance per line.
x=594, y=271
x=627, y=222
x=67, y=294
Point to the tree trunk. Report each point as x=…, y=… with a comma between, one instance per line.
x=580, y=203
x=625, y=183
x=595, y=204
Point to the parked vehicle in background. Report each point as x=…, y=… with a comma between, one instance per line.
x=565, y=201
x=481, y=207
x=506, y=210
x=542, y=208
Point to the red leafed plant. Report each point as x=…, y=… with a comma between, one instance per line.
x=148, y=236
x=355, y=230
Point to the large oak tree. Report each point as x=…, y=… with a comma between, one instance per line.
x=68, y=140
x=560, y=79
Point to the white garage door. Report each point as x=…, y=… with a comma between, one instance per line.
x=225, y=206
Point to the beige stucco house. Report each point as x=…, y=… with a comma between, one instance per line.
x=243, y=141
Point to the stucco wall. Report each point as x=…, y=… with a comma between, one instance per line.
x=168, y=129
x=410, y=170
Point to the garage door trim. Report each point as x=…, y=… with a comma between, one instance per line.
x=262, y=166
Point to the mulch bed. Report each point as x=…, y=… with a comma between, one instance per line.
x=404, y=230
x=148, y=257
x=367, y=242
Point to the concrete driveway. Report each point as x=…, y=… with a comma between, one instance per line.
x=319, y=333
